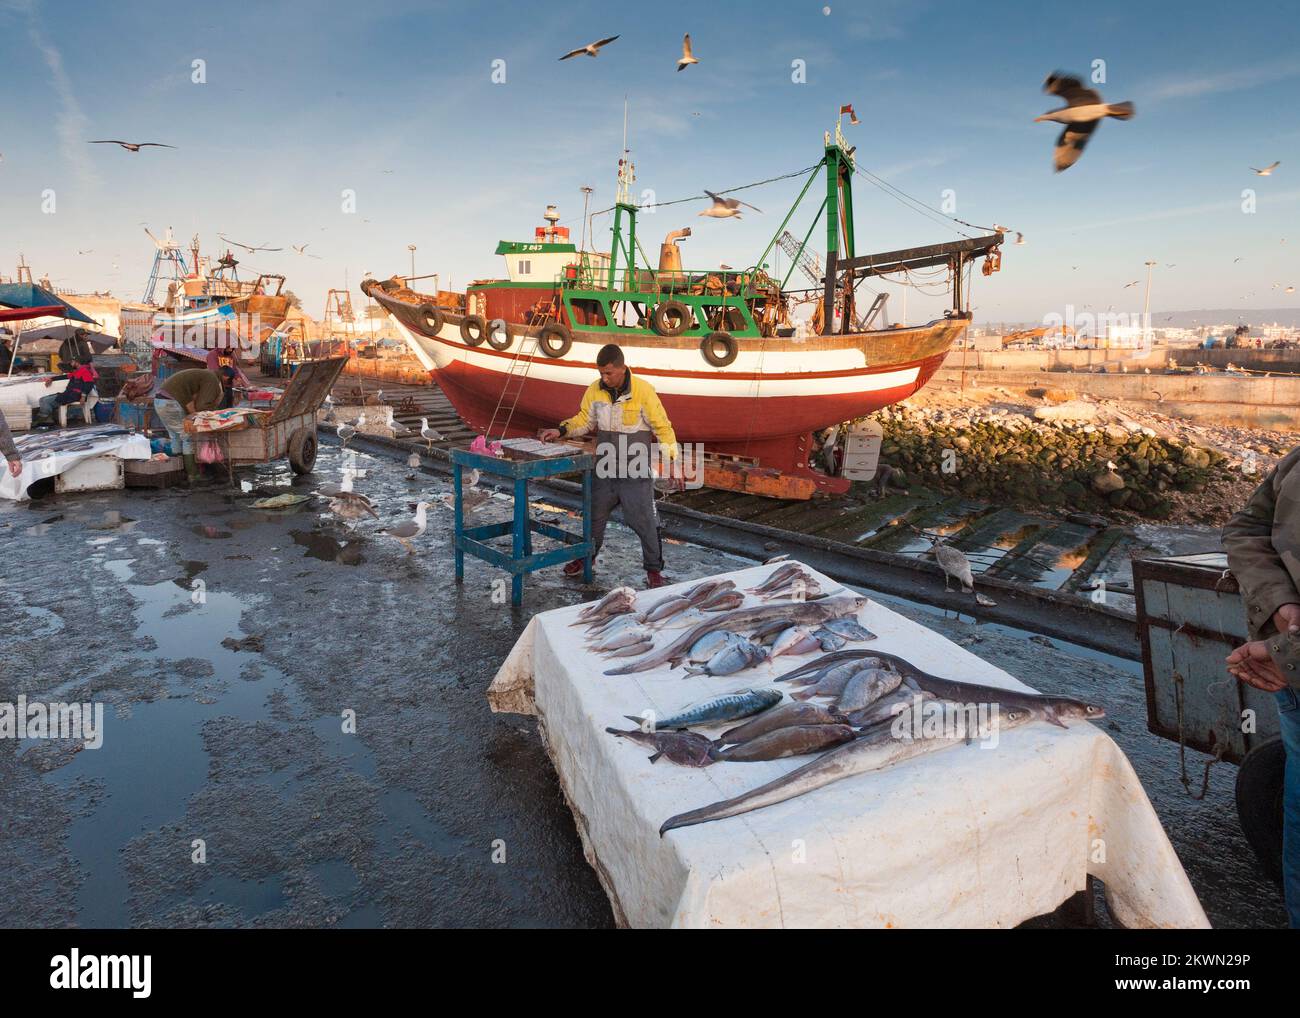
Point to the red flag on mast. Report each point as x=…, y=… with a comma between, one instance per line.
x=848, y=108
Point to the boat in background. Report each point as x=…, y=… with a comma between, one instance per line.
x=515, y=355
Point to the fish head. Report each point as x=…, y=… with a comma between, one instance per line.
x=1074, y=710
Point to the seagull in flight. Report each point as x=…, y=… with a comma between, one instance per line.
x=1267, y=171
x=131, y=146
x=302, y=250
x=1134, y=283
x=726, y=208
x=1082, y=112
x=249, y=247
x=589, y=50
x=687, y=58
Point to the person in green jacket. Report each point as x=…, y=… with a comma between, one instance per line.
x=184, y=393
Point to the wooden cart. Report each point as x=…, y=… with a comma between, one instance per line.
x=290, y=429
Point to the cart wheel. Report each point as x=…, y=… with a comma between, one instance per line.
x=302, y=451
x=1259, y=804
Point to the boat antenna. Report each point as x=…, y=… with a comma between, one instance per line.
x=626, y=171
x=586, y=204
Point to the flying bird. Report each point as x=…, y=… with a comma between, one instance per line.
x=348, y=505
x=249, y=247
x=1267, y=171
x=1134, y=283
x=132, y=146
x=687, y=59
x=589, y=50
x=725, y=208
x=1289, y=289
x=1082, y=112
x=302, y=250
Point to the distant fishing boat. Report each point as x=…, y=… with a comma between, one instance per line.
x=515, y=354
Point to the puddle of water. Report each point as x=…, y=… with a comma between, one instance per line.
x=328, y=548
x=207, y=530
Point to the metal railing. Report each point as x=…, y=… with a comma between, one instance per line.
x=656, y=282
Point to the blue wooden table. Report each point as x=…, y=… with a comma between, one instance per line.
x=519, y=558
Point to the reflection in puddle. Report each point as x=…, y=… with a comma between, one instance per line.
x=208, y=530
x=327, y=548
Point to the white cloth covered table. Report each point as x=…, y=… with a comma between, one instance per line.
x=50, y=453
x=961, y=837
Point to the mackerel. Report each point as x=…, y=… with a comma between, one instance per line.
x=741, y=704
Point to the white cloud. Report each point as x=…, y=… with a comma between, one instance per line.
x=1226, y=81
x=71, y=122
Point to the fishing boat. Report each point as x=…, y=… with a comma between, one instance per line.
x=211, y=307
x=720, y=347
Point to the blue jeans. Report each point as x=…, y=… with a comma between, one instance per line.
x=172, y=414
x=1288, y=708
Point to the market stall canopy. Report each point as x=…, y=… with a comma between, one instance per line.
x=22, y=314
x=29, y=295
x=50, y=338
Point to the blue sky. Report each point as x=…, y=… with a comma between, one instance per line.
x=305, y=100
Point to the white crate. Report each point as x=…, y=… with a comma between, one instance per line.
x=95, y=473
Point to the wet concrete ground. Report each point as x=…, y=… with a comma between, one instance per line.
x=229, y=643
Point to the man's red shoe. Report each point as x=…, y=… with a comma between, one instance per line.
x=574, y=568
x=654, y=579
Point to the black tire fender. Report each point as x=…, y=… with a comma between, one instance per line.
x=431, y=317
x=502, y=341
x=473, y=330
x=661, y=318
x=555, y=340
x=709, y=348
x=1259, y=803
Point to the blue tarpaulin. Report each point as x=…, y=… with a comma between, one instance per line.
x=29, y=295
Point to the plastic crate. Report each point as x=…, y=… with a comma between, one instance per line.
x=140, y=416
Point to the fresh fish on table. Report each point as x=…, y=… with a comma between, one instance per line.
x=632, y=649
x=886, y=707
x=734, y=657
x=624, y=637
x=612, y=625
x=787, y=715
x=690, y=749
x=780, y=576
x=850, y=629
x=798, y=589
x=710, y=643
x=682, y=620
x=709, y=589
x=666, y=610
x=795, y=640
x=793, y=740
x=828, y=640
x=769, y=631
x=836, y=674
x=741, y=704
x=743, y=618
x=866, y=687
x=724, y=601
x=870, y=752
x=617, y=602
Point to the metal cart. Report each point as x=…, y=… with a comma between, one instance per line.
x=290, y=429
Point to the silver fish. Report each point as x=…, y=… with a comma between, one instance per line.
x=786, y=715
x=769, y=631
x=633, y=649
x=779, y=576
x=734, y=657
x=828, y=640
x=683, y=620
x=613, y=625
x=865, y=688
x=710, y=643
x=836, y=676
x=723, y=602
x=849, y=629
x=667, y=609
x=867, y=753
x=789, y=640
x=617, y=601
x=793, y=740
x=741, y=704
x=624, y=637
x=708, y=590
x=744, y=618
x=798, y=589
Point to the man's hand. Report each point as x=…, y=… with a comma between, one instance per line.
x=551, y=434
x=1251, y=664
x=1287, y=618
x=15, y=467
x=49, y=382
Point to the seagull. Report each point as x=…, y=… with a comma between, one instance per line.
x=589, y=50
x=687, y=59
x=954, y=563
x=132, y=146
x=330, y=416
x=1134, y=283
x=302, y=250
x=1267, y=171
x=1082, y=112
x=1290, y=289
x=410, y=529
x=248, y=247
x=413, y=461
x=725, y=208
x=430, y=435
x=347, y=431
x=347, y=504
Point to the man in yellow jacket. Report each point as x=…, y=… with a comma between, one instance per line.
x=632, y=433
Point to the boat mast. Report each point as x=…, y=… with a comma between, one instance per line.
x=839, y=223
x=623, y=205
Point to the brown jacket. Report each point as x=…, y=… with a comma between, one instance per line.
x=1263, y=545
x=7, y=448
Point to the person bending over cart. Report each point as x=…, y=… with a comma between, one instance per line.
x=187, y=392
x=1263, y=546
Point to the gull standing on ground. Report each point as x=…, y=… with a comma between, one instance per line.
x=955, y=565
x=347, y=504
x=687, y=58
x=1082, y=112
x=347, y=431
x=430, y=435
x=1267, y=171
x=409, y=530
x=589, y=50
x=413, y=461
x=726, y=208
